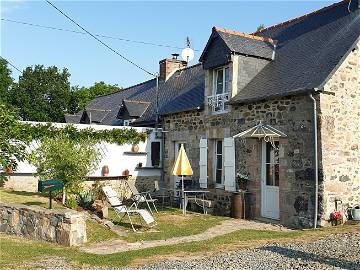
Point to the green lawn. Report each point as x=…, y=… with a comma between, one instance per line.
x=27, y=198
x=17, y=252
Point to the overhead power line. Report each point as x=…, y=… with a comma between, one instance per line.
x=11, y=64
x=98, y=35
x=100, y=41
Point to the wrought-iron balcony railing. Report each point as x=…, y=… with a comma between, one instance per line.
x=217, y=102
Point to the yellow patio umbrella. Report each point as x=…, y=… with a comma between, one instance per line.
x=182, y=167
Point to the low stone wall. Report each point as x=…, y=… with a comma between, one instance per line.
x=22, y=182
x=142, y=183
x=65, y=227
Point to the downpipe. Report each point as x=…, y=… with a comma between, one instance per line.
x=316, y=162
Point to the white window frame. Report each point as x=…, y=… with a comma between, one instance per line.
x=218, y=185
x=216, y=100
x=215, y=75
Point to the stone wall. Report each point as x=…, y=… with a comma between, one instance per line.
x=292, y=115
x=64, y=227
x=142, y=183
x=22, y=182
x=340, y=135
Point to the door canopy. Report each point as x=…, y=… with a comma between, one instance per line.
x=261, y=131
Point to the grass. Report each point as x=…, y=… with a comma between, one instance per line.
x=19, y=250
x=23, y=253
x=27, y=198
x=170, y=223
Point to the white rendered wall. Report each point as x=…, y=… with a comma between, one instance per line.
x=114, y=155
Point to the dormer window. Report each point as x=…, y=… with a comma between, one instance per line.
x=221, y=89
x=221, y=82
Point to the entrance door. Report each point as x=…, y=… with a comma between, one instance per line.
x=177, y=148
x=270, y=180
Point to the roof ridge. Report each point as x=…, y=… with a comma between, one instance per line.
x=188, y=67
x=137, y=101
x=242, y=34
x=300, y=17
x=126, y=88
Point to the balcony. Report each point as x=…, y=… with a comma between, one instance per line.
x=217, y=102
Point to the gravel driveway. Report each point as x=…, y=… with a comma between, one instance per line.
x=337, y=251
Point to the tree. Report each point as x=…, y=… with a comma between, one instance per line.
x=42, y=94
x=83, y=96
x=260, y=27
x=64, y=159
x=6, y=81
x=11, y=149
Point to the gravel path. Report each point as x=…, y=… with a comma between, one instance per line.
x=225, y=227
x=337, y=251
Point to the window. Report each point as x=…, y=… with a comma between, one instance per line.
x=272, y=164
x=221, y=89
x=155, y=154
x=221, y=81
x=219, y=168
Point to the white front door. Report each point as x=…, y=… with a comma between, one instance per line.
x=270, y=180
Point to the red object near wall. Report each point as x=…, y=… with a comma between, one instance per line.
x=126, y=172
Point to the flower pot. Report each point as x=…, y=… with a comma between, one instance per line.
x=135, y=148
x=9, y=170
x=126, y=172
x=105, y=170
x=355, y=213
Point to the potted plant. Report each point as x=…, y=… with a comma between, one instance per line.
x=336, y=218
x=242, y=179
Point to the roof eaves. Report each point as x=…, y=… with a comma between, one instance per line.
x=198, y=108
x=260, y=98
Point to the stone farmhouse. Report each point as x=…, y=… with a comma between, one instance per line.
x=279, y=107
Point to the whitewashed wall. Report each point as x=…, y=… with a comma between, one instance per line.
x=114, y=156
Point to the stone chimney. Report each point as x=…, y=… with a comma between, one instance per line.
x=169, y=66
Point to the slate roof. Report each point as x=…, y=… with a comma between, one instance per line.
x=74, y=118
x=188, y=82
x=242, y=43
x=309, y=50
x=135, y=108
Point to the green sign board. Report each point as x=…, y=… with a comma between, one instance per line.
x=50, y=185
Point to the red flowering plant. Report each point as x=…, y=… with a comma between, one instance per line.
x=336, y=217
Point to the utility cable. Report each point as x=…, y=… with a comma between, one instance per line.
x=100, y=41
x=98, y=35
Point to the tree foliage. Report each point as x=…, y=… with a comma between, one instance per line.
x=64, y=159
x=42, y=94
x=16, y=135
x=260, y=27
x=6, y=81
x=82, y=96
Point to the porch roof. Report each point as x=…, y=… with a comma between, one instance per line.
x=261, y=130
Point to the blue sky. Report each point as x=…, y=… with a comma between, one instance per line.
x=165, y=22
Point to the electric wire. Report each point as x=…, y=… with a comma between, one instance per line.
x=100, y=41
x=83, y=33
x=11, y=64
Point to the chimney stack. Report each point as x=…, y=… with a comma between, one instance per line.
x=169, y=66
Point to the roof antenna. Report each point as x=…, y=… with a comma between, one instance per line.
x=187, y=54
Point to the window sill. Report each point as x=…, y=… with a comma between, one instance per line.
x=148, y=168
x=135, y=153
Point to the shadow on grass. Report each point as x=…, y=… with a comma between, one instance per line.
x=25, y=193
x=35, y=203
x=306, y=256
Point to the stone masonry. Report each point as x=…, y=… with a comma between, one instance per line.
x=340, y=136
x=64, y=227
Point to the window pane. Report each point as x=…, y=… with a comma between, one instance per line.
x=276, y=175
x=219, y=162
x=218, y=176
x=227, y=80
x=155, y=153
x=269, y=175
x=268, y=152
x=219, y=147
x=219, y=81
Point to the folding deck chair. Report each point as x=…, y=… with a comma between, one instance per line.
x=141, y=197
x=122, y=210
